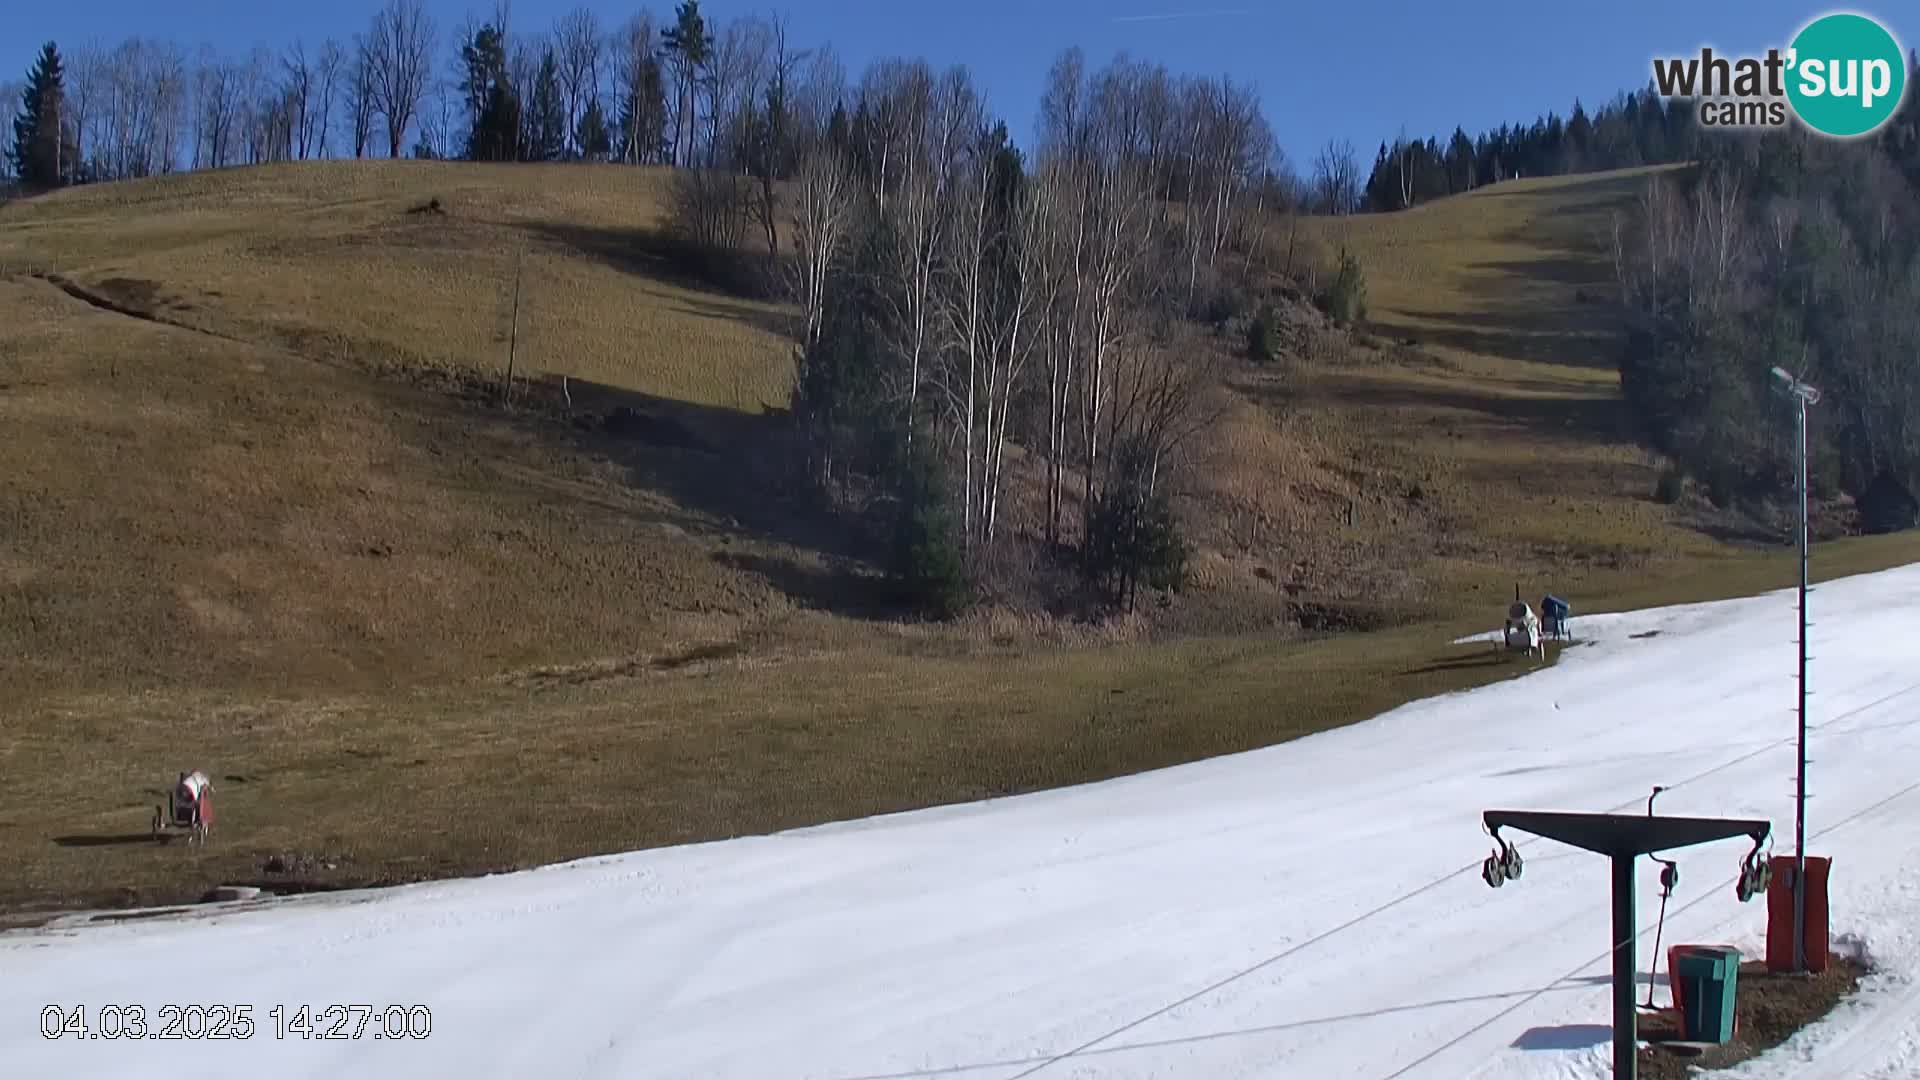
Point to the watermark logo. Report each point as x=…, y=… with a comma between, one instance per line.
x=1844, y=75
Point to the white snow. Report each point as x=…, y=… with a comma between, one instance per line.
x=1308, y=910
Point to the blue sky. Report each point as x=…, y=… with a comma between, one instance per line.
x=1359, y=69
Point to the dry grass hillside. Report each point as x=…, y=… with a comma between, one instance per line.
x=1486, y=418
x=257, y=509
x=259, y=515
x=347, y=261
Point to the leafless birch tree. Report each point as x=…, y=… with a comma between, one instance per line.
x=824, y=215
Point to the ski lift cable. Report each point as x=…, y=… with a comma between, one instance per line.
x=1469, y=868
x=1681, y=910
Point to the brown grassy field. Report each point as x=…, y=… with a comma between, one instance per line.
x=341, y=262
x=240, y=530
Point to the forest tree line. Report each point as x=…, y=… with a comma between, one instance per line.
x=959, y=296
x=1636, y=128
x=1783, y=249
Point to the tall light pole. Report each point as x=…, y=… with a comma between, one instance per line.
x=1803, y=396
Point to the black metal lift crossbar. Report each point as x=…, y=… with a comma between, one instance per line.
x=1624, y=838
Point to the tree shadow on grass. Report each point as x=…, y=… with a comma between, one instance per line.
x=1573, y=269
x=839, y=586
x=736, y=285
x=108, y=840
x=1577, y=339
x=1590, y=418
x=736, y=475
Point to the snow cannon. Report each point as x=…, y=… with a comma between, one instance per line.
x=1554, y=616
x=189, y=809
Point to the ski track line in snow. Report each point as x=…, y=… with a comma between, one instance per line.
x=1883, y=1015
x=1221, y=984
x=1186, y=1040
x=1243, y=973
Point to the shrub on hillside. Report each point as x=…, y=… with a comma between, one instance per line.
x=1670, y=487
x=1219, y=299
x=1346, y=295
x=926, y=565
x=1263, y=336
x=1132, y=534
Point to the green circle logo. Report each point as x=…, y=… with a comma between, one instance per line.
x=1846, y=75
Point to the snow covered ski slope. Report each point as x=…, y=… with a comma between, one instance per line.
x=1311, y=910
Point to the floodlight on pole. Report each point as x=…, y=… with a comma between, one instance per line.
x=1789, y=384
x=1803, y=395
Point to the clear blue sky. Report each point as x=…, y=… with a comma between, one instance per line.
x=1359, y=69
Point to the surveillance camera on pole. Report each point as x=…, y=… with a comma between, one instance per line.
x=1804, y=395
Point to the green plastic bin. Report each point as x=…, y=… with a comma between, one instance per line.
x=1709, y=977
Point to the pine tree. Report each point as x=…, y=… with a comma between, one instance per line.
x=496, y=136
x=927, y=564
x=840, y=132
x=484, y=60
x=546, y=115
x=593, y=138
x=643, y=116
x=41, y=157
x=1579, y=128
x=691, y=45
x=1133, y=536
x=1460, y=162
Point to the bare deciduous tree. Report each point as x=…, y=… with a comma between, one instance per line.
x=1120, y=236
x=302, y=92
x=86, y=77
x=1336, y=178
x=1718, y=235
x=1062, y=125
x=710, y=207
x=770, y=126
x=136, y=121
x=1402, y=155
x=920, y=141
x=217, y=99
x=819, y=90
x=265, y=125
x=1161, y=392
x=638, y=81
x=1061, y=243
x=578, y=44
x=328, y=71
x=399, y=45
x=1019, y=321
x=963, y=288
x=896, y=97
x=824, y=206
x=735, y=76
x=439, y=116
x=362, y=100
x=10, y=91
